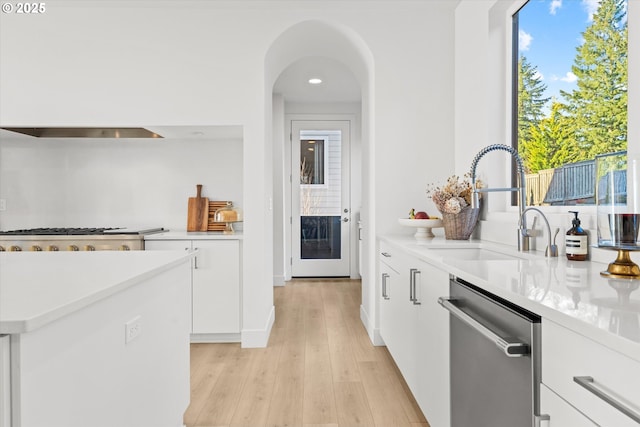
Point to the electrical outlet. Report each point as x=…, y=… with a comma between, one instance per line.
x=3, y=205
x=133, y=328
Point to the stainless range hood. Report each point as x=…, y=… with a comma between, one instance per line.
x=80, y=132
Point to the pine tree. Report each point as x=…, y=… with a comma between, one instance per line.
x=599, y=104
x=551, y=143
x=530, y=100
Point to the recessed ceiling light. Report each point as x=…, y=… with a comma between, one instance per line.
x=315, y=81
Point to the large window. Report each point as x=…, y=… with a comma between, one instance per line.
x=570, y=59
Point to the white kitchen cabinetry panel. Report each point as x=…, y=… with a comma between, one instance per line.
x=416, y=329
x=569, y=359
x=215, y=287
x=398, y=328
x=389, y=283
x=560, y=413
x=5, y=381
x=433, y=344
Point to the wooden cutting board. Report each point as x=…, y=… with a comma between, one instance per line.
x=213, y=207
x=198, y=211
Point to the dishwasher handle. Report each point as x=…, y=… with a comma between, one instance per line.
x=510, y=348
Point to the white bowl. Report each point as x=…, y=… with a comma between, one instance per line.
x=423, y=226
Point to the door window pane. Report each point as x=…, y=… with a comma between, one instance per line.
x=320, y=237
x=312, y=162
x=320, y=194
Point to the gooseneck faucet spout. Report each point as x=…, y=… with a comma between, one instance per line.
x=521, y=188
x=552, y=249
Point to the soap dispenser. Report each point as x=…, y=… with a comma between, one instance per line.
x=576, y=244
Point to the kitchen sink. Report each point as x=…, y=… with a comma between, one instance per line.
x=474, y=254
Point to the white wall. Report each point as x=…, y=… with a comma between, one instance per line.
x=113, y=183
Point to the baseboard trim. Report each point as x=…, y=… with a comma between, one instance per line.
x=278, y=280
x=258, y=338
x=215, y=338
x=372, y=331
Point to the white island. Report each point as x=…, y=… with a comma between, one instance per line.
x=96, y=338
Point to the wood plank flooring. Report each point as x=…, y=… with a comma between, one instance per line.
x=319, y=369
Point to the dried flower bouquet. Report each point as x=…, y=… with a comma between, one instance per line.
x=454, y=195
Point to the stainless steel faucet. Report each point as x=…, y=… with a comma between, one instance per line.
x=523, y=233
x=552, y=248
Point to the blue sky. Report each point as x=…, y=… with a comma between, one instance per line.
x=550, y=31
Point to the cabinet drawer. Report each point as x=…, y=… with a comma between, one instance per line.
x=390, y=256
x=569, y=358
x=561, y=414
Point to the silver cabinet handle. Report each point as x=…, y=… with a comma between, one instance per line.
x=510, y=348
x=195, y=260
x=412, y=283
x=386, y=255
x=589, y=384
x=411, y=279
x=385, y=276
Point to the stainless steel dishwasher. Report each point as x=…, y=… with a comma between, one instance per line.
x=495, y=359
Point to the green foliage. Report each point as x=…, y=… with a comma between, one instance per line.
x=530, y=100
x=551, y=143
x=592, y=119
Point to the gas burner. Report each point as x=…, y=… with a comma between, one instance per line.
x=75, y=239
x=58, y=231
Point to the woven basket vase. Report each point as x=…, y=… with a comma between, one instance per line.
x=460, y=226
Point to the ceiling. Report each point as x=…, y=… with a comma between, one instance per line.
x=338, y=83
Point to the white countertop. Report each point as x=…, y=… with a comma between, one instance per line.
x=194, y=235
x=570, y=293
x=37, y=288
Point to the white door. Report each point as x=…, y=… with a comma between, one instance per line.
x=321, y=214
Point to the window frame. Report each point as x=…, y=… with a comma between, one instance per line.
x=587, y=212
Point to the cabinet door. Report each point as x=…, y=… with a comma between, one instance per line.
x=432, y=393
x=598, y=381
x=561, y=414
x=216, y=287
x=5, y=382
x=387, y=288
x=406, y=314
x=396, y=311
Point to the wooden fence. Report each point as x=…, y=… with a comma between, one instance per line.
x=571, y=184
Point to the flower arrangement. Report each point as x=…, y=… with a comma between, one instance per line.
x=453, y=200
x=454, y=195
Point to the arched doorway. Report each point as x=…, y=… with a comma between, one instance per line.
x=336, y=43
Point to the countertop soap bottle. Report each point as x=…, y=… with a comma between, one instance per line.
x=576, y=241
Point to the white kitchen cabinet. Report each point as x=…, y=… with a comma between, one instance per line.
x=560, y=413
x=389, y=287
x=569, y=359
x=433, y=344
x=5, y=381
x=215, y=285
x=416, y=329
x=399, y=324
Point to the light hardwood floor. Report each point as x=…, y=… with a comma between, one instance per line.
x=319, y=369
